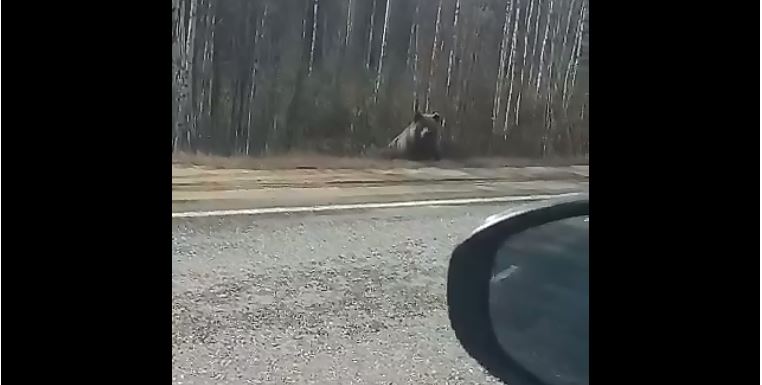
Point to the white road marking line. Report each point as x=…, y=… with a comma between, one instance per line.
x=387, y=205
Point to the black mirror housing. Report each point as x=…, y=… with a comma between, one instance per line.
x=468, y=282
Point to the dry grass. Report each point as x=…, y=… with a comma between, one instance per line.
x=306, y=160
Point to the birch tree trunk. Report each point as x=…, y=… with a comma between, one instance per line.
x=432, y=64
x=383, y=50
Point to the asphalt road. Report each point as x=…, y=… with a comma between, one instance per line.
x=341, y=298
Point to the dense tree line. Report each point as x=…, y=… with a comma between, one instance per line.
x=259, y=76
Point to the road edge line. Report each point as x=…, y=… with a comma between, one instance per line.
x=355, y=206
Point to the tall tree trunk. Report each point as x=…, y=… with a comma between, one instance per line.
x=370, y=35
x=452, y=46
x=383, y=50
x=414, y=33
x=511, y=69
x=501, y=64
x=314, y=36
x=348, y=32
x=432, y=65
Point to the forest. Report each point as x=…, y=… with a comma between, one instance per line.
x=342, y=77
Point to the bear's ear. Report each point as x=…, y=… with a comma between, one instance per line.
x=417, y=116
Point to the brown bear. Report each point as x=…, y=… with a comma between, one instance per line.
x=420, y=139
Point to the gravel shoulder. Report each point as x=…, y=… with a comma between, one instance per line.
x=198, y=188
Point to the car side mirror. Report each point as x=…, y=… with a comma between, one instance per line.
x=518, y=293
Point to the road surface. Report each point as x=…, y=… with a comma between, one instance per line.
x=348, y=297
